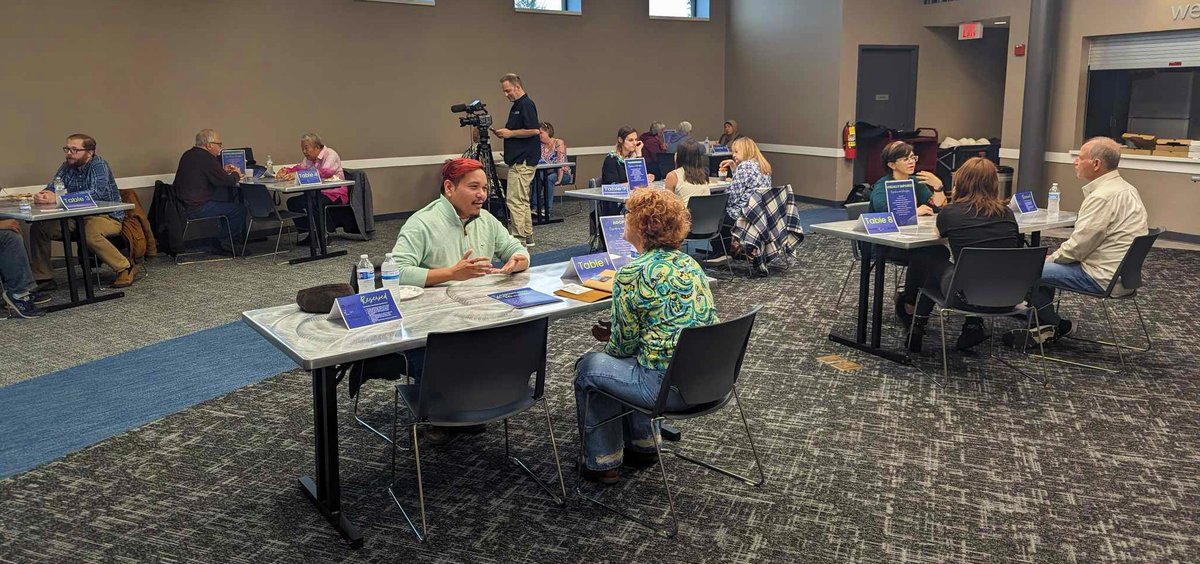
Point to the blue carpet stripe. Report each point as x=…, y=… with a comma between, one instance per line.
x=52, y=415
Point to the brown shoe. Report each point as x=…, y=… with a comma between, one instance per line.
x=125, y=277
x=606, y=477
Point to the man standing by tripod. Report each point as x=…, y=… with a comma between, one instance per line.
x=521, y=153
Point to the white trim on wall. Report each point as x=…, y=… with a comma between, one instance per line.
x=835, y=152
x=1174, y=165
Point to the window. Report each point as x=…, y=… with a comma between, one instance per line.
x=679, y=9
x=553, y=6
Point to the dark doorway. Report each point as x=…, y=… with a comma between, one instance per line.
x=887, y=86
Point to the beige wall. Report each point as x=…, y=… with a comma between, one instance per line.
x=142, y=76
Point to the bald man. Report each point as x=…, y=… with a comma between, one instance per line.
x=1111, y=216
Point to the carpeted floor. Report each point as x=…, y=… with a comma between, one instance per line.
x=878, y=464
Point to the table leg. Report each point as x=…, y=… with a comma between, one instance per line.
x=541, y=186
x=1035, y=239
x=876, y=309
x=68, y=258
x=85, y=259
x=864, y=285
x=877, y=306
x=325, y=490
x=318, y=244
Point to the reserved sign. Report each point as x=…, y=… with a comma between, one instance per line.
x=363, y=310
x=77, y=201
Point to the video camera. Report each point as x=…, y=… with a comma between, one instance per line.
x=477, y=114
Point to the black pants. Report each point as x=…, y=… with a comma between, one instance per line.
x=722, y=244
x=299, y=204
x=921, y=262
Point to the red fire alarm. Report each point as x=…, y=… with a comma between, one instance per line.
x=1019, y=50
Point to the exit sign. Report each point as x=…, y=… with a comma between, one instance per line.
x=970, y=30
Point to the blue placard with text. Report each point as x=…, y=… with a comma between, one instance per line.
x=235, y=157
x=635, y=172
x=615, y=189
x=588, y=266
x=880, y=223
x=1025, y=202
x=902, y=200
x=77, y=201
x=524, y=297
x=720, y=149
x=306, y=177
x=363, y=310
x=613, y=229
x=672, y=136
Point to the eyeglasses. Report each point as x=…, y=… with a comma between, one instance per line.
x=217, y=143
x=69, y=150
x=912, y=158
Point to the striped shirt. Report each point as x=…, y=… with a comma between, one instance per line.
x=95, y=178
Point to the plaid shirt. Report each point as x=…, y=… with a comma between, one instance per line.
x=771, y=224
x=95, y=178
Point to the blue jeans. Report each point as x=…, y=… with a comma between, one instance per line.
x=603, y=447
x=545, y=191
x=234, y=211
x=1069, y=275
x=14, y=263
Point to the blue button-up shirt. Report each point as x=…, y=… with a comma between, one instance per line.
x=95, y=178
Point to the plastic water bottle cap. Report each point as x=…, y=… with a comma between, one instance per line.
x=362, y=256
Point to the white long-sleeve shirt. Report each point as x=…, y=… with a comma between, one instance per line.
x=1111, y=216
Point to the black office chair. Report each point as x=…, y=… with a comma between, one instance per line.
x=456, y=390
x=707, y=214
x=666, y=163
x=1129, y=278
x=704, y=371
x=261, y=205
x=989, y=283
x=158, y=184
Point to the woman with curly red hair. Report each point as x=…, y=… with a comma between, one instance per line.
x=656, y=296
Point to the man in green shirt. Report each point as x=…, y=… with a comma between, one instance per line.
x=454, y=238
x=450, y=240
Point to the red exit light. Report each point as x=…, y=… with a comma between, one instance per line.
x=970, y=30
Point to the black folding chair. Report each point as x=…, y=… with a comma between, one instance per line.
x=456, y=390
x=707, y=214
x=160, y=185
x=260, y=205
x=704, y=371
x=1123, y=286
x=989, y=283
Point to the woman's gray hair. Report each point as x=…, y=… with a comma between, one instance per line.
x=685, y=127
x=205, y=136
x=312, y=139
x=657, y=127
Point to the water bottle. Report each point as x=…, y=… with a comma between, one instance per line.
x=1052, y=200
x=366, y=275
x=390, y=273
x=270, y=167
x=26, y=206
x=60, y=188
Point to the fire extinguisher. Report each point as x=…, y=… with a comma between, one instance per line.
x=849, y=141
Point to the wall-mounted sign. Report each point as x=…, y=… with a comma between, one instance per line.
x=970, y=30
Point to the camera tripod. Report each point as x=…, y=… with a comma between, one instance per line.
x=481, y=151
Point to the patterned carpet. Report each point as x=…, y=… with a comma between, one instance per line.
x=878, y=464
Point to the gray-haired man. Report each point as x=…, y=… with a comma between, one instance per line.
x=198, y=179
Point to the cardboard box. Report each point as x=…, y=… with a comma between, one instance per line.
x=1132, y=151
x=1139, y=141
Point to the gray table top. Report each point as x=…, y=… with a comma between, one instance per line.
x=925, y=234
x=290, y=186
x=313, y=341
x=715, y=184
x=43, y=213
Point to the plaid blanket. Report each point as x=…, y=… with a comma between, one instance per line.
x=771, y=224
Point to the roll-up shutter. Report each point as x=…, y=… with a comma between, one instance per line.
x=1160, y=50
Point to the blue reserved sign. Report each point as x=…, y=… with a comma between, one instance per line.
x=615, y=189
x=880, y=223
x=77, y=201
x=635, y=172
x=363, y=310
x=1025, y=202
x=305, y=177
x=902, y=200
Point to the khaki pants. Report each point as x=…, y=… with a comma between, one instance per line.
x=98, y=228
x=520, y=177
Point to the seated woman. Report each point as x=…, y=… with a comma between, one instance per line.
x=976, y=216
x=731, y=133
x=653, y=143
x=898, y=158
x=329, y=165
x=751, y=172
x=554, y=150
x=629, y=146
x=690, y=178
x=655, y=297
